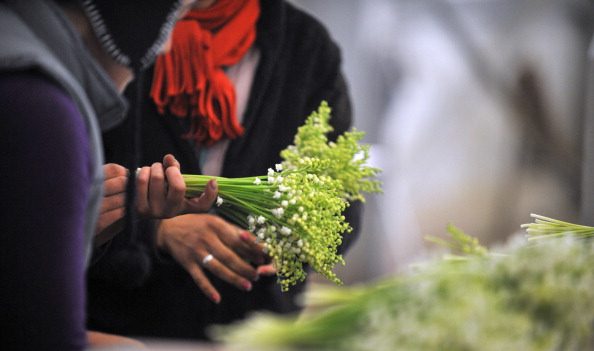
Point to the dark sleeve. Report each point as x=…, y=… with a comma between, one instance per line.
x=44, y=187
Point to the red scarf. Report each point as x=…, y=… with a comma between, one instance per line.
x=189, y=80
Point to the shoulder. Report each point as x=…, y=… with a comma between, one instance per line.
x=27, y=92
x=36, y=108
x=30, y=97
x=302, y=32
x=309, y=25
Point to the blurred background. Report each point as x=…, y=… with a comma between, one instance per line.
x=474, y=109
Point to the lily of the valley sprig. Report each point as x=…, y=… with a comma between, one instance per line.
x=296, y=209
x=545, y=227
x=349, y=157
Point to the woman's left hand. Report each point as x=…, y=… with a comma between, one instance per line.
x=161, y=191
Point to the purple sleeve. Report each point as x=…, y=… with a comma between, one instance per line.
x=44, y=186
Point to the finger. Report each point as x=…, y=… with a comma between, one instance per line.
x=233, y=237
x=112, y=170
x=110, y=218
x=222, y=271
x=142, y=183
x=113, y=202
x=115, y=185
x=254, y=248
x=266, y=270
x=176, y=190
x=203, y=283
x=242, y=241
x=156, y=195
x=170, y=161
x=231, y=260
x=114, y=215
x=204, y=202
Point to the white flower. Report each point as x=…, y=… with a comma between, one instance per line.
x=285, y=203
x=271, y=179
x=278, y=212
x=261, y=233
x=283, y=188
x=301, y=209
x=257, y=181
x=251, y=220
x=279, y=167
x=219, y=201
x=270, y=172
x=272, y=228
x=300, y=243
x=277, y=195
x=293, y=201
x=279, y=179
x=285, y=231
x=261, y=220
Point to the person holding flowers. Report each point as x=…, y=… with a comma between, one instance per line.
x=241, y=77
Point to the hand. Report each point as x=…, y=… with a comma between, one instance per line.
x=112, y=210
x=192, y=237
x=100, y=340
x=161, y=191
x=160, y=194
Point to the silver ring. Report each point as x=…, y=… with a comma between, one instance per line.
x=207, y=259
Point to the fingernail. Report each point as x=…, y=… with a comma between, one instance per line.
x=213, y=184
x=216, y=298
x=246, y=285
x=244, y=235
x=266, y=270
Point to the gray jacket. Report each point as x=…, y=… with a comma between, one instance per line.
x=35, y=35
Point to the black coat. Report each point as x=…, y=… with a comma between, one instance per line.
x=299, y=66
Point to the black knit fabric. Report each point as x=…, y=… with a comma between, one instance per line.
x=299, y=66
x=132, y=31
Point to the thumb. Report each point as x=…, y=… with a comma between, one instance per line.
x=206, y=200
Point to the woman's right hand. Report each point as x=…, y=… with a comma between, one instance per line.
x=203, y=241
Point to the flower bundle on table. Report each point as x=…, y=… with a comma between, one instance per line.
x=534, y=295
x=296, y=209
x=545, y=227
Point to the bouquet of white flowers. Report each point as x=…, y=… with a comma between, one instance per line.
x=296, y=209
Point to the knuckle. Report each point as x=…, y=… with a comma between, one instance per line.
x=156, y=176
x=121, y=181
x=143, y=176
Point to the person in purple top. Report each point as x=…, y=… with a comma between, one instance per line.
x=63, y=65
